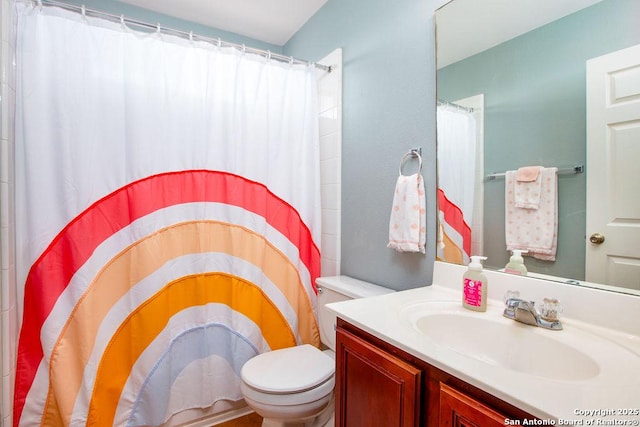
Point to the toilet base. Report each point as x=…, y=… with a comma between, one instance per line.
x=323, y=419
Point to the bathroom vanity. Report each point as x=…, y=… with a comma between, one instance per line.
x=417, y=357
x=379, y=382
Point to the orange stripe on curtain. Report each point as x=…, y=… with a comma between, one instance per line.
x=76, y=342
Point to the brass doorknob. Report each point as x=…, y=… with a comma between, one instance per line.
x=596, y=238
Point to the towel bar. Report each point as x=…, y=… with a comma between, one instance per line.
x=561, y=171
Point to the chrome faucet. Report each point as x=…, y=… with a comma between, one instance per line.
x=526, y=312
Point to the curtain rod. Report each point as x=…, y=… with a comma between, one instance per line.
x=454, y=105
x=189, y=35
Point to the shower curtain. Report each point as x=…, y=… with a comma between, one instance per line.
x=167, y=219
x=456, y=182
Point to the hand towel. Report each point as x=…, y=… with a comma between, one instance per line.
x=533, y=230
x=407, y=225
x=527, y=187
x=528, y=173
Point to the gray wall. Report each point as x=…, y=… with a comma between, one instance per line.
x=535, y=94
x=388, y=108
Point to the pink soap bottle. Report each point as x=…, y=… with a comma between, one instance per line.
x=474, y=286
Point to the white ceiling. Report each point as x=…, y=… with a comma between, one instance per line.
x=270, y=21
x=466, y=27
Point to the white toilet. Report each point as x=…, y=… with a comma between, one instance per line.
x=294, y=386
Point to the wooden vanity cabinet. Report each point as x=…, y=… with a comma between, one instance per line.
x=379, y=385
x=459, y=409
x=375, y=387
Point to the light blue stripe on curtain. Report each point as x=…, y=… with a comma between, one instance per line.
x=216, y=345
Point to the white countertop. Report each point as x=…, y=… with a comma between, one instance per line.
x=615, y=387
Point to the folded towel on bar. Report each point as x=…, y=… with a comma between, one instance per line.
x=407, y=224
x=528, y=173
x=533, y=230
x=527, y=187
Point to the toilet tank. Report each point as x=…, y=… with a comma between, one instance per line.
x=335, y=289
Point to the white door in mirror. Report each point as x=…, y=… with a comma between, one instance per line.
x=613, y=162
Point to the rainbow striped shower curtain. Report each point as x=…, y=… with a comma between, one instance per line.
x=456, y=183
x=167, y=220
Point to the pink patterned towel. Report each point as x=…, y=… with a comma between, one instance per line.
x=528, y=173
x=534, y=230
x=527, y=191
x=407, y=225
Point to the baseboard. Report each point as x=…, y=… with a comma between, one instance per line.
x=216, y=419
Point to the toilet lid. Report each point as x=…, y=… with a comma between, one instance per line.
x=288, y=370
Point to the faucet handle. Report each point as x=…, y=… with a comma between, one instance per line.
x=511, y=300
x=510, y=295
x=550, y=309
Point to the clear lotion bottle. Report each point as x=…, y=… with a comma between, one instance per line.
x=474, y=286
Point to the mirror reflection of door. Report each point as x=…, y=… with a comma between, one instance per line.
x=613, y=156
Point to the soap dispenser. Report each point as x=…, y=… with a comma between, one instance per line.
x=516, y=263
x=474, y=284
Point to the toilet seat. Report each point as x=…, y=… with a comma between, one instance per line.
x=288, y=376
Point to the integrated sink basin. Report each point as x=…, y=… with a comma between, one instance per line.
x=501, y=342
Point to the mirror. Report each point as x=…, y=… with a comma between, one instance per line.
x=519, y=68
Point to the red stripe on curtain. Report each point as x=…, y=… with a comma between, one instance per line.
x=454, y=217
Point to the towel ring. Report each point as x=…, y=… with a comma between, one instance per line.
x=413, y=153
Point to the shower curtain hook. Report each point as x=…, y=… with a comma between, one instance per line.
x=84, y=12
x=122, y=23
x=244, y=49
x=191, y=36
x=268, y=55
x=39, y=4
x=158, y=28
x=291, y=60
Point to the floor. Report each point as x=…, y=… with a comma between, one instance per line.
x=251, y=420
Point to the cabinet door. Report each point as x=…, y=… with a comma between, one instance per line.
x=459, y=410
x=374, y=388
